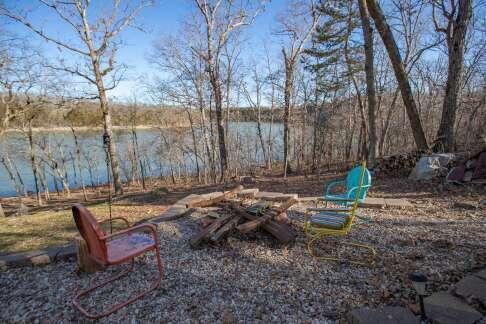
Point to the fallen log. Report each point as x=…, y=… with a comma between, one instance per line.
x=268, y=214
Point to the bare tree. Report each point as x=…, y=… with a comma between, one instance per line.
x=457, y=16
x=255, y=103
x=221, y=19
x=96, y=35
x=370, y=78
x=400, y=73
x=297, y=24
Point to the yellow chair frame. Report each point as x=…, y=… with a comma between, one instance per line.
x=315, y=232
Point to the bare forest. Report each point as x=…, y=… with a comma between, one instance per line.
x=338, y=81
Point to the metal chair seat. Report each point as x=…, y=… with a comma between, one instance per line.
x=329, y=220
x=128, y=247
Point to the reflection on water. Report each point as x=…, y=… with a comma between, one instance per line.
x=155, y=147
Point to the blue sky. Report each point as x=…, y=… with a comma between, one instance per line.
x=164, y=18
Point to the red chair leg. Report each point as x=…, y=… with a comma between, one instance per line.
x=154, y=286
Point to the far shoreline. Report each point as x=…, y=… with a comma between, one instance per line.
x=90, y=128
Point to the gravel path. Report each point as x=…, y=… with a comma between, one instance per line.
x=251, y=279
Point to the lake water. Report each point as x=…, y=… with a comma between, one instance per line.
x=154, y=146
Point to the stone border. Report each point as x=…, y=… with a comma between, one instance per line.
x=456, y=305
x=37, y=257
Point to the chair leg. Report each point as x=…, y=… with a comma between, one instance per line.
x=369, y=249
x=82, y=293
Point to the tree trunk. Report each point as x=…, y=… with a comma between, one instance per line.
x=400, y=73
x=108, y=129
x=218, y=102
x=105, y=108
x=33, y=162
x=289, y=81
x=194, y=143
x=455, y=46
x=370, y=80
x=270, y=140
x=78, y=163
x=363, y=131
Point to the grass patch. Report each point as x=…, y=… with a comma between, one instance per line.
x=50, y=228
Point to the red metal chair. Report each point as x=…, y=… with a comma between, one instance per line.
x=114, y=249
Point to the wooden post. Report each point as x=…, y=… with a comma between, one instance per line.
x=85, y=264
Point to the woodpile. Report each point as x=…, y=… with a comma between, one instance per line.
x=233, y=217
x=397, y=165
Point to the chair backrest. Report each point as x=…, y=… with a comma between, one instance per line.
x=92, y=233
x=352, y=181
x=362, y=172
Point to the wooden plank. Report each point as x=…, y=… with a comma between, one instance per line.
x=212, y=198
x=206, y=221
x=281, y=231
x=199, y=237
x=234, y=192
x=207, y=200
x=267, y=215
x=248, y=193
x=188, y=200
x=274, y=196
x=225, y=228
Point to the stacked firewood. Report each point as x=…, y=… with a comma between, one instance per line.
x=397, y=165
x=234, y=217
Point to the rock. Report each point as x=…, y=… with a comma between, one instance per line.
x=2, y=213
x=3, y=265
x=385, y=315
x=426, y=168
x=443, y=308
x=40, y=260
x=472, y=287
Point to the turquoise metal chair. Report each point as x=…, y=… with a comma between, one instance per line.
x=352, y=188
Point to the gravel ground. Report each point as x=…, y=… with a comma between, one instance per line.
x=252, y=279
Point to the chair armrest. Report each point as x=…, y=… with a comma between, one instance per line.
x=337, y=210
x=332, y=184
x=116, y=218
x=135, y=228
